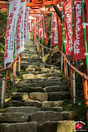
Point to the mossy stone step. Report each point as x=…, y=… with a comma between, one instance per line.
x=19, y=127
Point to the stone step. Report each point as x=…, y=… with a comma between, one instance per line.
x=58, y=126
x=19, y=127
x=32, y=76
x=43, y=116
x=20, y=96
x=52, y=103
x=26, y=84
x=31, y=89
x=56, y=88
x=13, y=117
x=39, y=96
x=56, y=109
x=18, y=103
x=24, y=109
x=54, y=96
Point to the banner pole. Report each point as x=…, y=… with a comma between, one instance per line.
x=3, y=90
x=73, y=74
x=85, y=39
x=3, y=80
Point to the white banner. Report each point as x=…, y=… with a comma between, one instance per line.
x=26, y=26
x=11, y=31
x=20, y=29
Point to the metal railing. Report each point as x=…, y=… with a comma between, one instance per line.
x=5, y=77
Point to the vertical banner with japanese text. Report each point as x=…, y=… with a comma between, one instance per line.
x=54, y=30
x=11, y=31
x=26, y=24
x=20, y=29
x=30, y=25
x=59, y=33
x=78, y=34
x=67, y=15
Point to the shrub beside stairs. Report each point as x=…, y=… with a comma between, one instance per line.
x=37, y=106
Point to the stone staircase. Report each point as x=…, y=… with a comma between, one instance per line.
x=37, y=106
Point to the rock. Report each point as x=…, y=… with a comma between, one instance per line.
x=20, y=96
x=19, y=127
x=43, y=116
x=56, y=88
x=13, y=117
x=69, y=115
x=58, y=126
x=23, y=109
x=52, y=103
x=54, y=96
x=57, y=109
x=50, y=83
x=43, y=76
x=39, y=96
x=33, y=103
x=29, y=76
x=31, y=89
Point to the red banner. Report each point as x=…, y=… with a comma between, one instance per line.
x=78, y=34
x=54, y=30
x=60, y=34
x=30, y=25
x=67, y=12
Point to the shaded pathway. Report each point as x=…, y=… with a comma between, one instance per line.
x=37, y=106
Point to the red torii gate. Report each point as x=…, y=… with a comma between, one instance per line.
x=4, y=4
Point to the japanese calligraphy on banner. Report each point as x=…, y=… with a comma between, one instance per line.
x=11, y=31
x=26, y=24
x=68, y=27
x=54, y=30
x=78, y=34
x=60, y=34
x=30, y=25
x=20, y=29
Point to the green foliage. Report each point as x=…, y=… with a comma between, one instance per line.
x=48, y=24
x=3, y=23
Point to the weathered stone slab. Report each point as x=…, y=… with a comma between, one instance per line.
x=54, y=96
x=39, y=96
x=33, y=103
x=23, y=109
x=13, y=117
x=20, y=96
x=58, y=126
x=56, y=88
x=56, y=109
x=29, y=76
x=43, y=116
x=19, y=127
x=52, y=103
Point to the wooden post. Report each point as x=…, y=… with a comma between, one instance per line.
x=49, y=56
x=85, y=85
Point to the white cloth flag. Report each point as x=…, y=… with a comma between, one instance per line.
x=26, y=25
x=11, y=31
x=20, y=29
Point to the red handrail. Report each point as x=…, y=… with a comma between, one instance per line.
x=83, y=75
